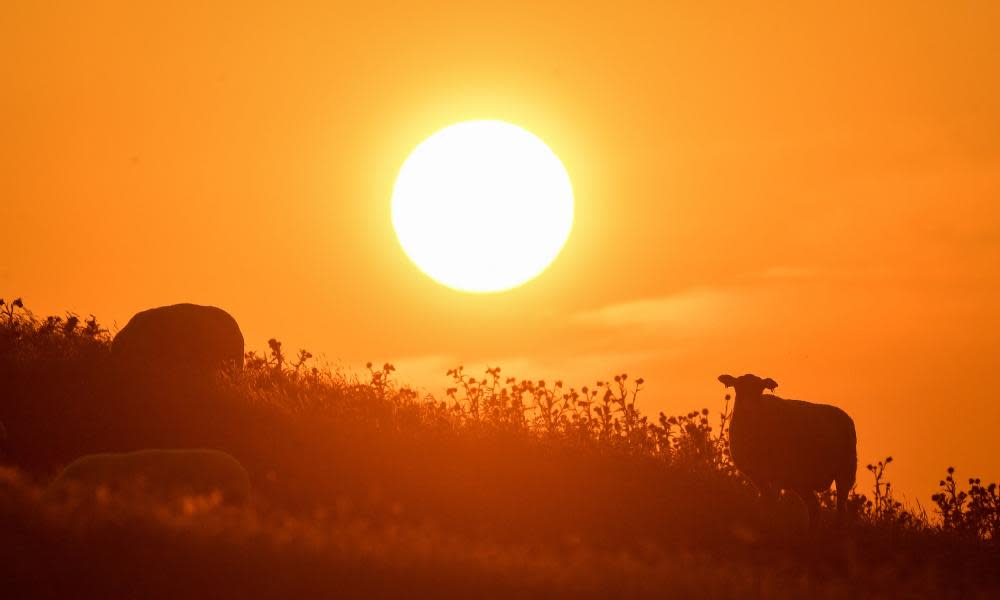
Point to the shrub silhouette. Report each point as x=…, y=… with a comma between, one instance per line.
x=973, y=513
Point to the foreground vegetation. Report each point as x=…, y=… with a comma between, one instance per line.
x=502, y=488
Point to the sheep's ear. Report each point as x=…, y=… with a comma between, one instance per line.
x=770, y=384
x=727, y=380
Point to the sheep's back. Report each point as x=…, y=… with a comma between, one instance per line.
x=164, y=472
x=794, y=444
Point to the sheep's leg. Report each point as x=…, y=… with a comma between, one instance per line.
x=767, y=505
x=768, y=497
x=844, y=485
x=812, y=504
x=768, y=492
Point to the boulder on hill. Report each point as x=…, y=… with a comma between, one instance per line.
x=179, y=338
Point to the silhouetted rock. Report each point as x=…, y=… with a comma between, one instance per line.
x=182, y=337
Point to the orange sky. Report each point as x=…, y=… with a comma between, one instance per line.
x=807, y=193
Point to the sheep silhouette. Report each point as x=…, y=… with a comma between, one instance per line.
x=162, y=474
x=791, y=444
x=179, y=339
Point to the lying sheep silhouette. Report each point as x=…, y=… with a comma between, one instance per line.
x=790, y=444
x=163, y=474
x=179, y=340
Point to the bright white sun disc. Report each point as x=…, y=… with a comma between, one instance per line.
x=482, y=206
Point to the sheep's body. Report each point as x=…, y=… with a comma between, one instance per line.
x=162, y=473
x=187, y=339
x=791, y=444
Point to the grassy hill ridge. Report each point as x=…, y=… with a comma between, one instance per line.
x=504, y=486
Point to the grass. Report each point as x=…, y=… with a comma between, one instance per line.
x=502, y=487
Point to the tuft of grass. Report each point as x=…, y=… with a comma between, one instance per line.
x=973, y=513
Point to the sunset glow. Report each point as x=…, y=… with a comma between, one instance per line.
x=500, y=299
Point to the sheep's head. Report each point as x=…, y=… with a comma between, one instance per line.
x=748, y=386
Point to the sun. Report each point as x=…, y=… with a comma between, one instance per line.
x=482, y=206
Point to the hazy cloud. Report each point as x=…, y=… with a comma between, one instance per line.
x=785, y=272
x=692, y=308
